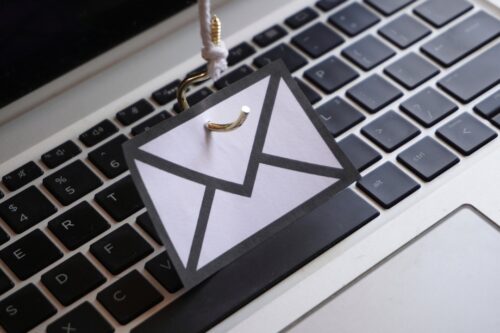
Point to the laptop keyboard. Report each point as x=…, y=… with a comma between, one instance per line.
x=94, y=247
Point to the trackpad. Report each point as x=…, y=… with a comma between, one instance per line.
x=447, y=280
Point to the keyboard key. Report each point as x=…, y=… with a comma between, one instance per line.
x=475, y=77
x=78, y=225
x=464, y=38
x=428, y=107
x=83, y=318
x=98, y=133
x=22, y=176
x=163, y=271
x=129, y=297
x=390, y=131
x=388, y=7
x=489, y=107
x=496, y=121
x=411, y=70
x=239, y=53
x=194, y=98
x=301, y=18
x=72, y=279
x=25, y=309
x=109, y=158
x=30, y=254
x=374, y=93
x=134, y=112
x=269, y=36
x=360, y=153
x=26, y=209
x=311, y=95
x=120, y=249
x=330, y=74
x=404, y=31
x=326, y=5
x=339, y=116
x=368, y=52
x=5, y=282
x=428, y=159
x=120, y=200
x=166, y=93
x=388, y=185
x=317, y=40
x=233, y=76
x=147, y=124
x=441, y=12
x=62, y=153
x=71, y=182
x=144, y=221
x=353, y=19
x=466, y=134
x=292, y=59
x=1, y=194
x=3, y=236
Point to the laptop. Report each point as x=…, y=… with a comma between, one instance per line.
x=411, y=247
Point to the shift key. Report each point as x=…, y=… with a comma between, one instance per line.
x=475, y=77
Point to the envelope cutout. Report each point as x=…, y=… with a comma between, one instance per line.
x=214, y=196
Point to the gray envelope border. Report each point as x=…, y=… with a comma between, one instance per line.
x=276, y=70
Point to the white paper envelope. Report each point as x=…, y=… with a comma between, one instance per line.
x=212, y=196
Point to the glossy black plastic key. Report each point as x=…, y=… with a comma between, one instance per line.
x=404, y=31
x=441, y=12
x=411, y=70
x=120, y=200
x=428, y=107
x=374, y=93
x=109, y=158
x=330, y=74
x=22, y=176
x=368, y=52
x=60, y=154
x=317, y=40
x=98, y=133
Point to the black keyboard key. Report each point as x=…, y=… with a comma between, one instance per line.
x=5, y=282
x=475, y=77
x=233, y=76
x=109, y=157
x=339, y=116
x=404, y=31
x=374, y=93
x=134, y=112
x=26, y=209
x=163, y=271
x=441, y=12
x=22, y=176
x=98, y=133
x=129, y=297
x=390, y=131
x=239, y=53
x=311, y=95
x=166, y=93
x=147, y=124
x=62, y=153
x=3, y=236
x=464, y=38
x=83, y=318
x=120, y=249
x=428, y=107
x=194, y=98
x=489, y=107
x=292, y=59
x=301, y=18
x=368, y=52
x=326, y=5
x=144, y=221
x=388, y=185
x=30, y=254
x=71, y=182
x=317, y=40
x=428, y=159
x=359, y=152
x=120, y=200
x=331, y=74
x=496, y=121
x=411, y=71
x=78, y=225
x=72, y=279
x=466, y=134
x=25, y=309
x=269, y=36
x=353, y=19
x=388, y=7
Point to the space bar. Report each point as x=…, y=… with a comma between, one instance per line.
x=475, y=77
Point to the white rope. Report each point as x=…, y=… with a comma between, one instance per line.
x=215, y=55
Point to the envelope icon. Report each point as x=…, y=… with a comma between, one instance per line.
x=214, y=196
